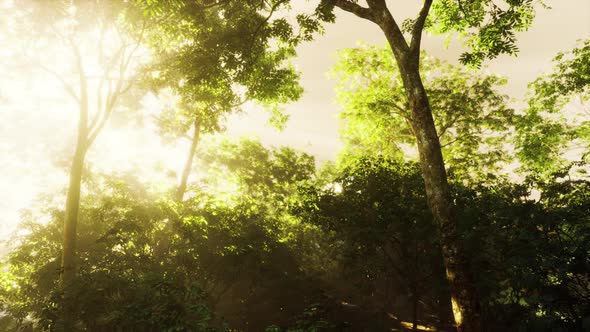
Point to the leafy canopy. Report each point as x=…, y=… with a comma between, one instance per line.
x=472, y=118
x=557, y=119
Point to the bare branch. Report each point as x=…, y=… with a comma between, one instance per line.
x=105, y=78
x=400, y=110
x=410, y=126
x=450, y=142
x=97, y=128
x=101, y=61
x=119, y=90
x=69, y=88
x=240, y=102
x=448, y=125
x=418, y=28
x=356, y=9
x=137, y=44
x=83, y=102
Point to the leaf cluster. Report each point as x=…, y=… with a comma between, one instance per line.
x=488, y=27
x=472, y=118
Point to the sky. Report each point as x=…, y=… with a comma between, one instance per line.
x=36, y=136
x=314, y=121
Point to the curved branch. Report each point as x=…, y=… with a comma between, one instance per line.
x=263, y=23
x=356, y=9
x=418, y=28
x=69, y=88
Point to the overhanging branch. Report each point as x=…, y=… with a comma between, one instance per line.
x=358, y=10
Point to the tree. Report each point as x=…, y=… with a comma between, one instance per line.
x=530, y=256
x=557, y=117
x=101, y=59
x=385, y=247
x=215, y=57
x=229, y=252
x=119, y=285
x=490, y=31
x=471, y=117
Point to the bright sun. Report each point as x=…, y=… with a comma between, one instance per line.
x=40, y=103
x=40, y=98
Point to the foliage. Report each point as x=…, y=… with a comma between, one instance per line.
x=472, y=118
x=554, y=122
x=215, y=57
x=530, y=257
x=533, y=254
x=376, y=211
x=309, y=321
x=488, y=27
x=351, y=245
x=225, y=256
x=119, y=284
x=264, y=238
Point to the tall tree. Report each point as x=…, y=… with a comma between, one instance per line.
x=490, y=30
x=215, y=56
x=97, y=73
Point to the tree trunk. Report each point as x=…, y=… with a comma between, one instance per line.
x=163, y=241
x=68, y=258
x=463, y=298
x=415, y=300
x=87, y=133
x=189, y=161
x=68, y=265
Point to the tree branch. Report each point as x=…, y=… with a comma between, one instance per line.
x=418, y=28
x=272, y=10
x=101, y=62
x=394, y=35
x=107, y=69
x=401, y=111
x=444, y=127
x=377, y=4
x=83, y=102
x=120, y=89
x=97, y=128
x=356, y=9
x=69, y=89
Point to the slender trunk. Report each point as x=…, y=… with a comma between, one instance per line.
x=87, y=133
x=163, y=241
x=68, y=258
x=463, y=298
x=189, y=161
x=68, y=265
